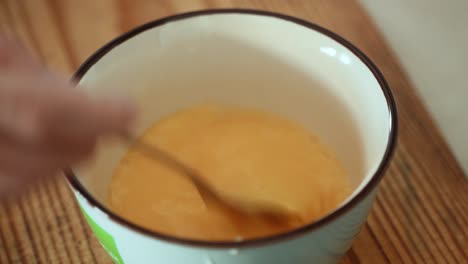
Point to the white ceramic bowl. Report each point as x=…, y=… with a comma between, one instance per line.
x=250, y=58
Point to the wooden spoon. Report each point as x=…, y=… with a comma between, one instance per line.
x=267, y=211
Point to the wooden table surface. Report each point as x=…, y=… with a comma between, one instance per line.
x=421, y=211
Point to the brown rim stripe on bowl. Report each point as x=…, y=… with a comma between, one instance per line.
x=74, y=182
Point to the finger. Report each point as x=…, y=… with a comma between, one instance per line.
x=14, y=179
x=13, y=183
x=54, y=112
x=74, y=116
x=9, y=185
x=18, y=157
x=22, y=99
x=13, y=56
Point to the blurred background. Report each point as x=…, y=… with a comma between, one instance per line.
x=430, y=38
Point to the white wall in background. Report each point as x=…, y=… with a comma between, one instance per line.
x=430, y=38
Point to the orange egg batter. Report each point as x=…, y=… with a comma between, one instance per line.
x=244, y=152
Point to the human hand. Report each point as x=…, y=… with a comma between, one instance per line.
x=45, y=123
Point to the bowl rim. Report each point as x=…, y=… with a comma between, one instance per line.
x=363, y=193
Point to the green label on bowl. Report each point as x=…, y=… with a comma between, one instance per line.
x=106, y=240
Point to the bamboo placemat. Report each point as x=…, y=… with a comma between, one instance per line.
x=421, y=211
